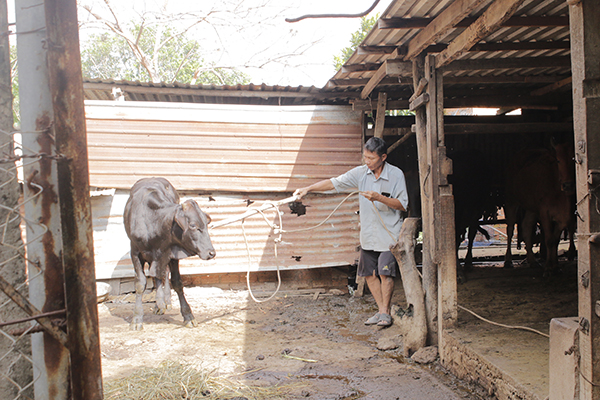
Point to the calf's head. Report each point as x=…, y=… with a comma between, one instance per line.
x=190, y=228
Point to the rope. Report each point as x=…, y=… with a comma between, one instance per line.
x=526, y=328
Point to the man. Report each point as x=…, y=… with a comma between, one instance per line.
x=383, y=196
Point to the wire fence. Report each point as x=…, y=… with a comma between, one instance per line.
x=18, y=275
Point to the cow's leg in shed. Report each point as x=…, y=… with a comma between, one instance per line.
x=510, y=213
x=140, y=287
x=471, y=237
x=528, y=224
x=188, y=318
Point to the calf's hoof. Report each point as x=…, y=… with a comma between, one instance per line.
x=136, y=326
x=159, y=311
x=168, y=307
x=192, y=323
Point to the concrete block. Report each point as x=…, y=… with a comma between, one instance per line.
x=563, y=358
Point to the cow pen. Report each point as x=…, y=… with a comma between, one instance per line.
x=426, y=56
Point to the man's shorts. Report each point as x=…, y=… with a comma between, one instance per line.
x=384, y=263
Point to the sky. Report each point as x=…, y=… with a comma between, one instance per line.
x=259, y=33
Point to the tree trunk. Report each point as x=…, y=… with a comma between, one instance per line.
x=412, y=320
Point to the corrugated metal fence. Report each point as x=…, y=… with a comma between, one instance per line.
x=228, y=159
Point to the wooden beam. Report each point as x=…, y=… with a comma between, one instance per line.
x=509, y=63
x=508, y=128
x=398, y=142
x=416, y=23
x=368, y=50
x=420, y=101
x=380, y=119
x=419, y=89
x=507, y=46
x=552, y=87
x=498, y=12
x=486, y=63
x=388, y=68
x=440, y=26
x=360, y=67
x=455, y=80
x=374, y=81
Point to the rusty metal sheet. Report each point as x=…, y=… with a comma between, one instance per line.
x=216, y=147
x=334, y=243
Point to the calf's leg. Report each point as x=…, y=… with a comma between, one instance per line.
x=140, y=286
x=188, y=318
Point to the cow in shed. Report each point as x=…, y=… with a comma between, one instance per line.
x=473, y=199
x=162, y=232
x=541, y=183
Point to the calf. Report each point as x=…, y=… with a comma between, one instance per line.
x=162, y=232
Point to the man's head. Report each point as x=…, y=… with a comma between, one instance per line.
x=375, y=153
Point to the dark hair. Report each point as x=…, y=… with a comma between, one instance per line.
x=377, y=146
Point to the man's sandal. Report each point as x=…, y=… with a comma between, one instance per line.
x=384, y=320
x=373, y=320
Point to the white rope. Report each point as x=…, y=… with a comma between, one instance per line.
x=525, y=328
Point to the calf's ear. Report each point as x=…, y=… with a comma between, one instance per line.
x=180, y=218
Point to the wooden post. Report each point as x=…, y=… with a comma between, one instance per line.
x=429, y=268
x=585, y=58
x=441, y=204
x=380, y=120
x=413, y=321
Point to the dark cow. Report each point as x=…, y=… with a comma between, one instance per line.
x=473, y=199
x=162, y=232
x=541, y=183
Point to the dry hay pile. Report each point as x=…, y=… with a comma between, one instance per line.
x=172, y=380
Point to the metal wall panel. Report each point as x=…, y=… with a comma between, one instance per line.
x=206, y=147
x=334, y=243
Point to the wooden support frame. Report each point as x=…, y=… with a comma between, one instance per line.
x=585, y=58
x=441, y=205
x=430, y=284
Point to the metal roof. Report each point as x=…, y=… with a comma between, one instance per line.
x=211, y=94
x=496, y=57
x=526, y=53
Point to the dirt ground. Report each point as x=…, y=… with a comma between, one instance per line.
x=329, y=349
x=244, y=340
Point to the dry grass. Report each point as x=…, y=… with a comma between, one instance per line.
x=172, y=380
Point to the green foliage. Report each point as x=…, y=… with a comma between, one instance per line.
x=366, y=24
x=15, y=85
x=163, y=56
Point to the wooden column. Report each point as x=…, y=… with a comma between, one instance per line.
x=585, y=59
x=441, y=203
x=380, y=118
x=429, y=268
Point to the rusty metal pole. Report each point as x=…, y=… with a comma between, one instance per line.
x=45, y=268
x=66, y=88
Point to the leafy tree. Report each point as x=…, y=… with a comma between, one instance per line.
x=174, y=58
x=160, y=42
x=366, y=24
